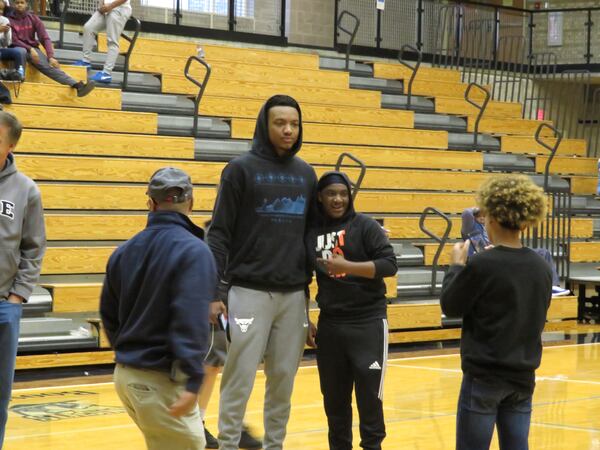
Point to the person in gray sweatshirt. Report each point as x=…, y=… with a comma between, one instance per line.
x=22, y=246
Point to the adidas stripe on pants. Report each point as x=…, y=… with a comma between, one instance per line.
x=353, y=355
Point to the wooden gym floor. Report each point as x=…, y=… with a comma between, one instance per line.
x=420, y=406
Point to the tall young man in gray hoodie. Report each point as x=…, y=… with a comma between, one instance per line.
x=22, y=246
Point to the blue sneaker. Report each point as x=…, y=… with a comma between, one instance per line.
x=81, y=62
x=102, y=77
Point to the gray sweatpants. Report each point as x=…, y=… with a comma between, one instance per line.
x=56, y=74
x=114, y=23
x=269, y=325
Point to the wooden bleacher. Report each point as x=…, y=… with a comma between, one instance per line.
x=92, y=160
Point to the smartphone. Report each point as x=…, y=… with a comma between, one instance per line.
x=477, y=242
x=222, y=322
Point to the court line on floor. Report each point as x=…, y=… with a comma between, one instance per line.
x=411, y=358
x=75, y=430
x=540, y=378
x=564, y=427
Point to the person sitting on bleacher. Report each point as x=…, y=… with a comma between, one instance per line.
x=112, y=15
x=25, y=26
x=16, y=54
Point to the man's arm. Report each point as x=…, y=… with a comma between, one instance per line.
x=32, y=247
x=460, y=284
x=192, y=290
x=109, y=303
x=43, y=37
x=222, y=228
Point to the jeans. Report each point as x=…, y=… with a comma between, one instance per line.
x=483, y=404
x=10, y=314
x=16, y=54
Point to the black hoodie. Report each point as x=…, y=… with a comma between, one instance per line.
x=260, y=215
x=359, y=238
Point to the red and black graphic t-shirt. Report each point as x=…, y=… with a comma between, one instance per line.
x=346, y=297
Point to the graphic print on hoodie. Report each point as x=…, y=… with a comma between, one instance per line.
x=259, y=218
x=358, y=238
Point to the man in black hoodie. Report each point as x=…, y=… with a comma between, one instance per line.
x=258, y=227
x=351, y=254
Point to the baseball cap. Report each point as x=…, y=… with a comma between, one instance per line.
x=169, y=178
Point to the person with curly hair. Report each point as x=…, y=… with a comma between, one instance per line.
x=502, y=295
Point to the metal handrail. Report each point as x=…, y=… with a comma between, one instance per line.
x=202, y=86
x=552, y=149
x=363, y=170
x=132, y=40
x=63, y=19
x=414, y=69
x=351, y=33
x=440, y=240
x=481, y=108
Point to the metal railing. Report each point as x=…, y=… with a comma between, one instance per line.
x=352, y=33
x=481, y=107
x=201, y=86
x=440, y=240
x=132, y=40
x=61, y=26
x=414, y=69
x=361, y=175
x=554, y=233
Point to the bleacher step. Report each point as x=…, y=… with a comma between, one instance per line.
x=508, y=162
x=219, y=150
x=464, y=141
x=183, y=126
x=393, y=87
x=418, y=103
x=585, y=205
x=440, y=122
x=156, y=102
x=39, y=302
x=54, y=333
x=355, y=67
x=407, y=254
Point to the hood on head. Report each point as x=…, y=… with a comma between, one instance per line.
x=261, y=144
x=323, y=218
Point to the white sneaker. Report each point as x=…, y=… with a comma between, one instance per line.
x=557, y=291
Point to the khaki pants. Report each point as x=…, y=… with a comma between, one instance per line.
x=147, y=396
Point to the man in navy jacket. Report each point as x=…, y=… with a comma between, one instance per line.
x=154, y=308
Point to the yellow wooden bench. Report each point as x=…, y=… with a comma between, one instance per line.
x=104, y=144
x=459, y=106
x=261, y=90
x=526, y=144
x=580, y=252
x=397, y=71
x=338, y=114
x=337, y=134
x=59, y=95
x=172, y=65
x=79, y=119
x=184, y=49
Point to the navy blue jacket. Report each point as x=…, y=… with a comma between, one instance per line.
x=155, y=298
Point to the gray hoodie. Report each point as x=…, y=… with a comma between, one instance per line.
x=22, y=232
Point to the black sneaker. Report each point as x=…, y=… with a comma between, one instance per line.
x=84, y=89
x=247, y=441
x=211, y=441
